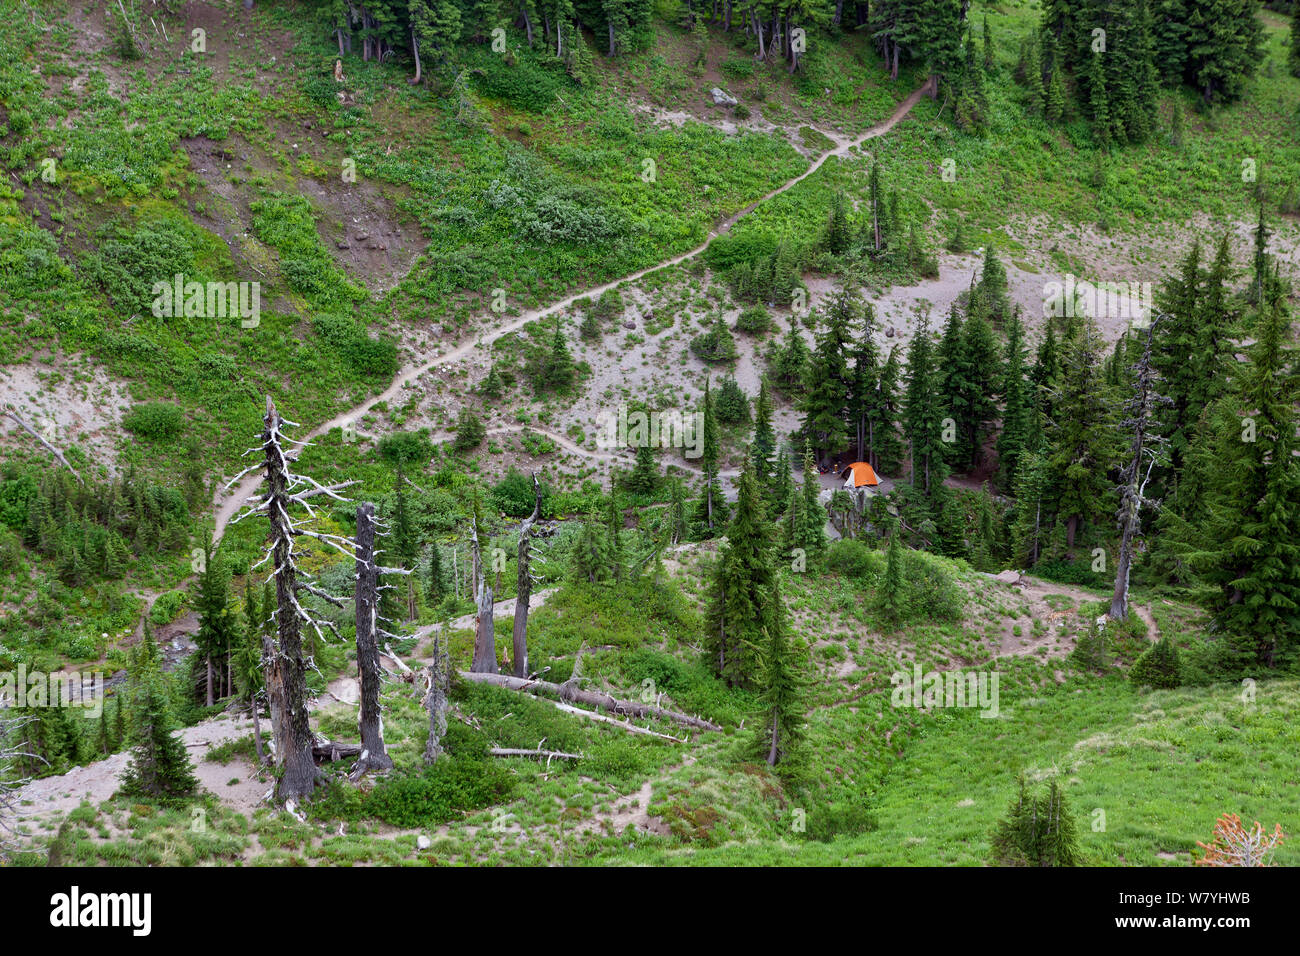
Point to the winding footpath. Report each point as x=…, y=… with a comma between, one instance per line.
x=228, y=506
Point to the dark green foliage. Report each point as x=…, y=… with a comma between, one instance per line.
x=470, y=431
x=715, y=346
x=1159, y=666
x=155, y=421
x=731, y=405
x=754, y=320
x=742, y=607
x=1038, y=830
x=160, y=765
x=405, y=448
x=439, y=792
x=372, y=357
x=513, y=495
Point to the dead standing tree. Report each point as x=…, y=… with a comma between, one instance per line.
x=374, y=755
x=524, y=588
x=485, y=645
x=1141, y=408
x=437, y=677
x=283, y=660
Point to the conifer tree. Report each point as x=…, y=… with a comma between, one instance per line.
x=1293, y=58
x=218, y=628
x=791, y=361
x=591, y=552
x=923, y=414
x=782, y=486
x=402, y=530
x=763, y=446
x=890, y=597
x=435, y=579
x=1082, y=433
x=159, y=764
x=827, y=382
x=1247, y=547
x=740, y=613
x=1098, y=100
x=886, y=439
x=1016, y=420
x=781, y=729
x=712, y=508
x=813, y=541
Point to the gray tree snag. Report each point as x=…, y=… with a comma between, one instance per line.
x=1141, y=408
x=485, y=646
x=368, y=667
x=435, y=701
x=11, y=750
x=568, y=692
x=524, y=587
x=285, y=665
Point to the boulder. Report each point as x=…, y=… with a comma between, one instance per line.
x=722, y=98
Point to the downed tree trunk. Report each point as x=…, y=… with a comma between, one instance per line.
x=548, y=754
x=325, y=751
x=12, y=413
x=524, y=588
x=601, y=718
x=604, y=701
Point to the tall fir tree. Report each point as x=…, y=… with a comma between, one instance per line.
x=740, y=613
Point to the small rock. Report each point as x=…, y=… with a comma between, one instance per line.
x=889, y=332
x=722, y=97
x=423, y=842
x=629, y=324
x=341, y=244
x=363, y=237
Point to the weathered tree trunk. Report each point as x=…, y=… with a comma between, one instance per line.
x=435, y=701
x=630, y=708
x=210, y=699
x=257, y=729
x=287, y=673
x=415, y=50
x=524, y=587
x=485, y=644
x=1131, y=494
x=368, y=667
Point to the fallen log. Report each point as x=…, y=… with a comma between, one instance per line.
x=629, y=727
x=13, y=413
x=328, y=751
x=548, y=754
x=629, y=708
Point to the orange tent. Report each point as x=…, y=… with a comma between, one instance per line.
x=863, y=474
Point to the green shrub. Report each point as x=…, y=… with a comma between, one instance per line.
x=155, y=421
x=1159, y=666
x=405, y=447
x=854, y=559
x=754, y=320
x=470, y=431
x=439, y=792
x=513, y=495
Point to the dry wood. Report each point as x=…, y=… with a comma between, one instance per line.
x=12, y=413
x=630, y=708
x=524, y=589
x=548, y=754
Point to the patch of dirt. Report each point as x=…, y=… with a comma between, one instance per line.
x=68, y=402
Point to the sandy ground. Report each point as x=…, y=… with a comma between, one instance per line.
x=68, y=402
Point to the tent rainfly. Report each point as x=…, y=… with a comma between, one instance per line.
x=859, y=475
